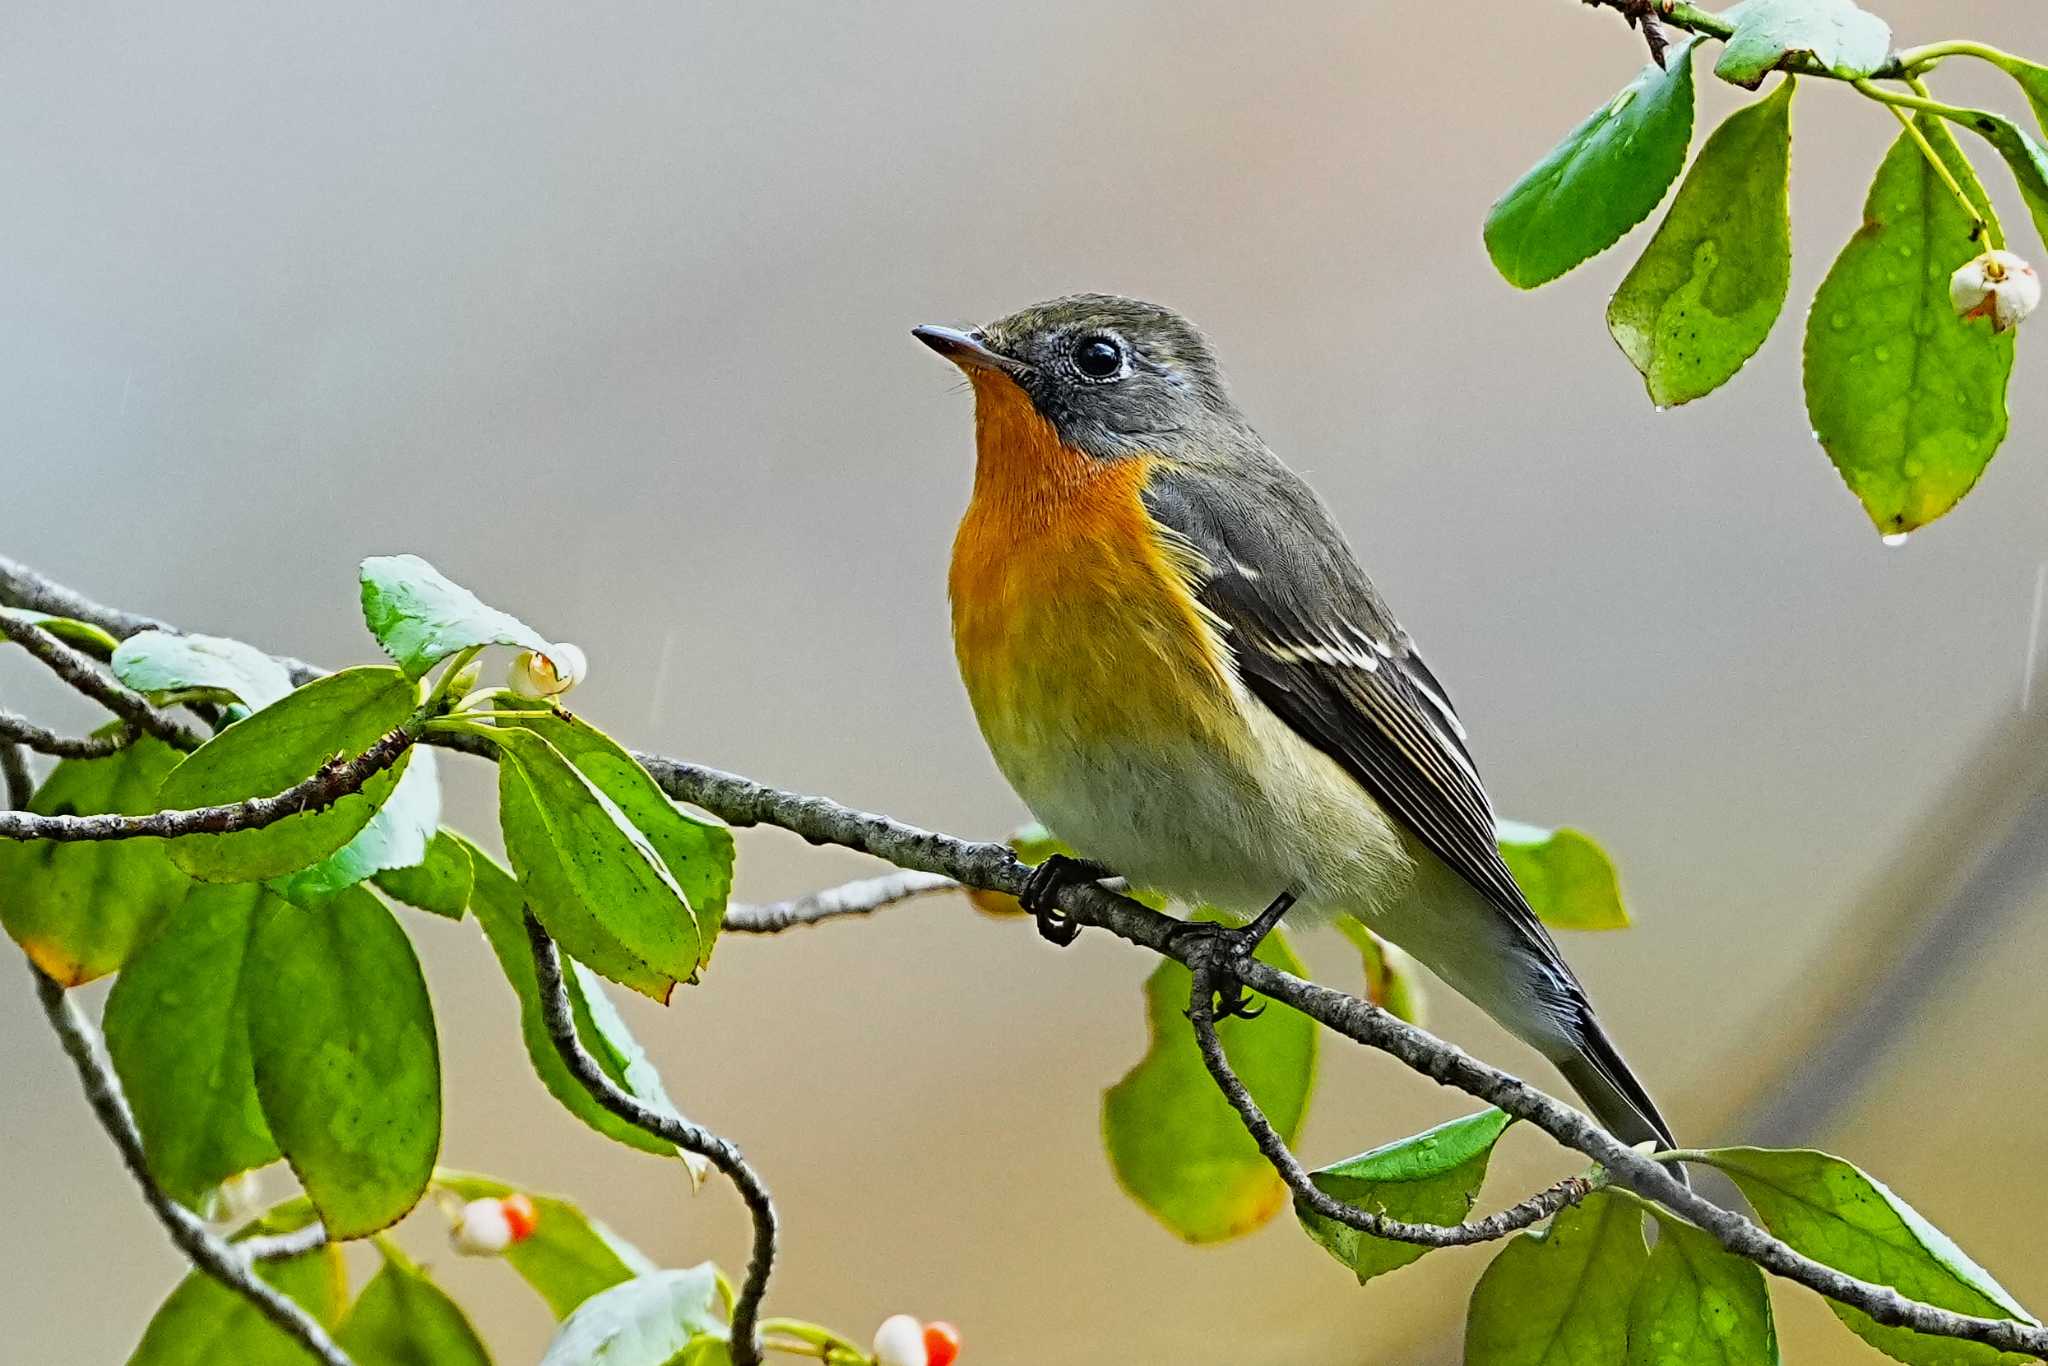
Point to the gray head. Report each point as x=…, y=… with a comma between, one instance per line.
x=1114, y=376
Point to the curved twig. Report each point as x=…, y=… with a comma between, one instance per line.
x=330, y=784
x=1538, y=1207
x=213, y=1257
x=78, y=670
x=862, y=897
x=556, y=1013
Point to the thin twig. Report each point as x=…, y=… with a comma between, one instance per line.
x=22, y=731
x=556, y=1014
x=208, y=1253
x=270, y=1247
x=77, y=668
x=862, y=897
x=1538, y=1207
x=334, y=780
x=741, y=801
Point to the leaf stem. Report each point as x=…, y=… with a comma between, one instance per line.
x=448, y=676
x=1981, y=228
x=1915, y=58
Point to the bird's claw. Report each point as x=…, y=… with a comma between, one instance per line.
x=1234, y=945
x=1042, y=889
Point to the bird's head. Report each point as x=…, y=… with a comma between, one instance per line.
x=1114, y=376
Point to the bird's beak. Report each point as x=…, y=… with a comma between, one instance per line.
x=966, y=350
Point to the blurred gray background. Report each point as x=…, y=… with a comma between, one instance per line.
x=603, y=309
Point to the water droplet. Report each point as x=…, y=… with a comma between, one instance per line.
x=1839, y=321
x=1906, y=250
x=1884, y=353
x=1913, y=469
x=1897, y=539
x=1656, y=407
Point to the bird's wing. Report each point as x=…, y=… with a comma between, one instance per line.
x=1314, y=641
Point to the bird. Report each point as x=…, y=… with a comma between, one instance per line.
x=1181, y=668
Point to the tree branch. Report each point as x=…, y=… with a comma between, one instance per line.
x=77, y=669
x=18, y=783
x=557, y=1015
x=1646, y=14
x=993, y=867
x=862, y=897
x=22, y=731
x=1538, y=1207
x=335, y=780
x=209, y=1254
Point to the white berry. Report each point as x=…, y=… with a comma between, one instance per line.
x=1997, y=285
x=900, y=1342
x=481, y=1229
x=548, y=673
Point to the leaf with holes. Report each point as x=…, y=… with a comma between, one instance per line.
x=1907, y=398
x=1708, y=288
x=1430, y=1178
x=421, y=617
x=81, y=909
x=1603, y=179
x=1176, y=1144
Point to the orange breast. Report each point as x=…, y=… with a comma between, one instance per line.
x=1073, y=625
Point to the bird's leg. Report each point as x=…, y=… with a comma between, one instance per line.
x=1042, y=889
x=1237, y=945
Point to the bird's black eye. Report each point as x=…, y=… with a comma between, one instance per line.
x=1098, y=357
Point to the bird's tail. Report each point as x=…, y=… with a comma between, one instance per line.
x=1613, y=1096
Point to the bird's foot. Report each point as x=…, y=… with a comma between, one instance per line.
x=1224, y=949
x=1042, y=890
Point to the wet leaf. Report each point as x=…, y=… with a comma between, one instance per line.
x=261, y=755
x=159, y=662
x=81, y=909
x=1907, y=398
x=1567, y=878
x=1710, y=285
x=347, y=1065
x=1560, y=1296
x=1175, y=1143
x=396, y=837
x=404, y=1319
x=1843, y=38
x=1837, y=1214
x=421, y=617
x=569, y=1257
x=439, y=884
x=177, y=1032
x=1603, y=179
x=1430, y=1178
x=1699, y=1305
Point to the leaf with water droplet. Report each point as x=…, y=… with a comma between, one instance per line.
x=1907, y=379
x=1699, y=1305
x=1603, y=179
x=1708, y=288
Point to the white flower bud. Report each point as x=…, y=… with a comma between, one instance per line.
x=1997, y=285
x=239, y=1198
x=549, y=674
x=481, y=1229
x=900, y=1342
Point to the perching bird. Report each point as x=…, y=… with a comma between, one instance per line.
x=1184, y=673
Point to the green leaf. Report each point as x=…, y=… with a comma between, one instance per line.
x=439, y=884
x=2027, y=159
x=1843, y=38
x=347, y=1065
x=645, y=1322
x=593, y=879
x=1431, y=1178
x=1560, y=1296
x=80, y=909
x=1567, y=877
x=159, y=662
x=500, y=910
x=94, y=640
x=421, y=617
x=261, y=755
x=1706, y=291
x=1700, y=1306
x=396, y=837
x=1837, y=1214
x=404, y=1319
x=569, y=1257
x=1390, y=980
x=204, y=1323
x=1175, y=1143
x=1907, y=398
x=177, y=1031
x=697, y=853
x=604, y=1034
x=1602, y=180
x=2033, y=82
